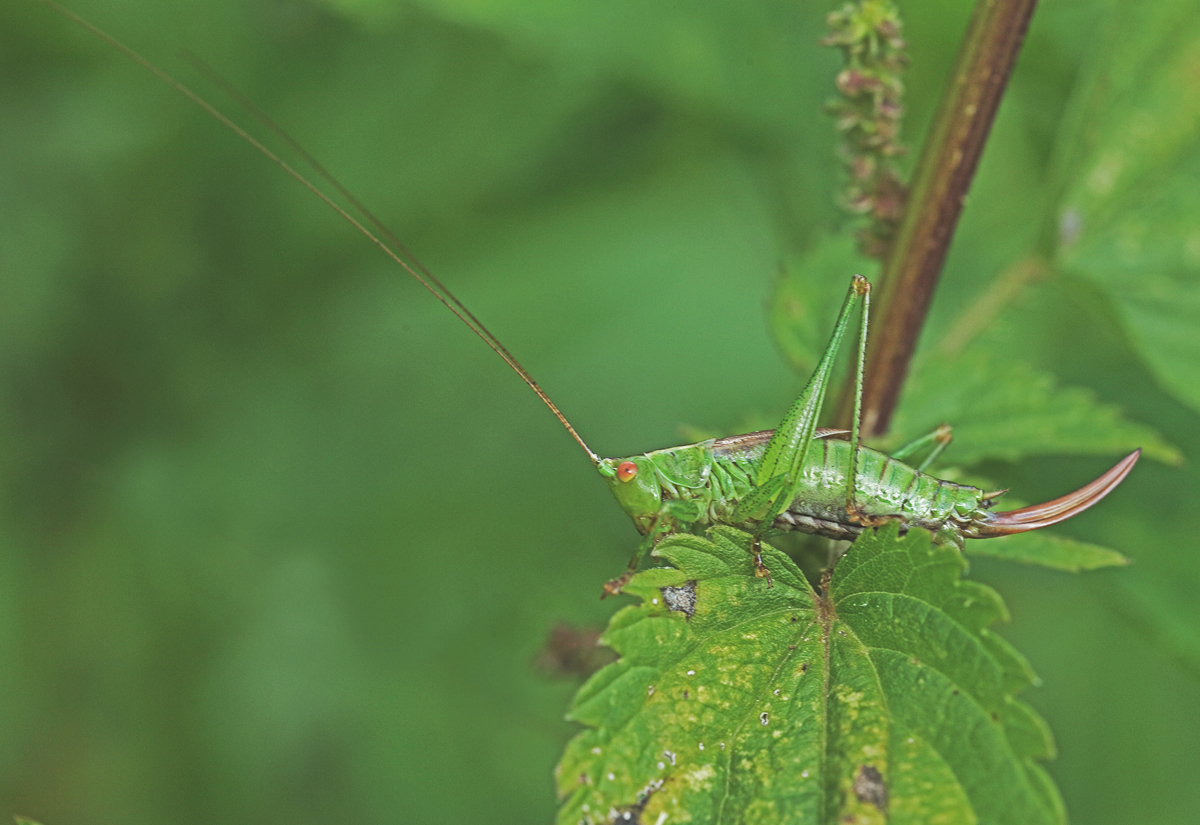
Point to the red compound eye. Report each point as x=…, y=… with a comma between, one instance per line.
x=626, y=470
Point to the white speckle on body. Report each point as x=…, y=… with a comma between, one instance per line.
x=661, y=765
x=691, y=673
x=804, y=773
x=670, y=757
x=764, y=718
x=701, y=746
x=596, y=751
x=611, y=777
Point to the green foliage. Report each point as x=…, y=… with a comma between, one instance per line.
x=1127, y=218
x=804, y=303
x=1047, y=549
x=279, y=541
x=889, y=700
x=1006, y=410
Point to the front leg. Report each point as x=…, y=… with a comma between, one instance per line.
x=613, y=586
x=674, y=517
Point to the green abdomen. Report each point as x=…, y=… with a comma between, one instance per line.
x=884, y=488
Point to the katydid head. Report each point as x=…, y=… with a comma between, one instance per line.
x=634, y=483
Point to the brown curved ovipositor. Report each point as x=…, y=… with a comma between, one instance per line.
x=1052, y=512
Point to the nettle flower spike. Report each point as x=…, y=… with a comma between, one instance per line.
x=867, y=114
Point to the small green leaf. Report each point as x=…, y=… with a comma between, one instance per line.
x=1048, y=550
x=809, y=289
x=1006, y=410
x=886, y=701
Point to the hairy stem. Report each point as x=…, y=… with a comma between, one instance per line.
x=943, y=175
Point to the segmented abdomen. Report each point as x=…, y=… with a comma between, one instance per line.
x=884, y=488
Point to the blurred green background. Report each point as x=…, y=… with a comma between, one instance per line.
x=280, y=540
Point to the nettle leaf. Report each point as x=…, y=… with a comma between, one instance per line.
x=736, y=702
x=1047, y=550
x=1129, y=219
x=1005, y=410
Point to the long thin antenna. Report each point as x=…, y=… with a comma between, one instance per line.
x=398, y=245
x=417, y=270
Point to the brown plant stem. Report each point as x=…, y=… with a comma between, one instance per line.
x=943, y=175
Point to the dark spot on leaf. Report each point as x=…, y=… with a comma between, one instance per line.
x=632, y=814
x=791, y=647
x=870, y=788
x=955, y=691
x=681, y=599
x=795, y=619
x=804, y=668
x=685, y=693
x=995, y=716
